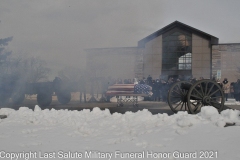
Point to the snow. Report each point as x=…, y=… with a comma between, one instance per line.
x=98, y=134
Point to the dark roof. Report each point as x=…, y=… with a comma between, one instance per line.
x=176, y=24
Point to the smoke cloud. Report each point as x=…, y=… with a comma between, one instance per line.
x=4, y=41
x=59, y=31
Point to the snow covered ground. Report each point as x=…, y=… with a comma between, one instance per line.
x=62, y=134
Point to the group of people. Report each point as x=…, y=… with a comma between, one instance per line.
x=233, y=90
x=160, y=87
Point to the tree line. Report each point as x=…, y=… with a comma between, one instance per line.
x=28, y=69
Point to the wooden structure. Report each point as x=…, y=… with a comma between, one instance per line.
x=186, y=96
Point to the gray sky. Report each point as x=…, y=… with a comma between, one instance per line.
x=59, y=30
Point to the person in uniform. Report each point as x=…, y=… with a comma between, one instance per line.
x=226, y=88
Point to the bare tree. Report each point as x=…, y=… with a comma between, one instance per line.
x=35, y=69
x=71, y=74
x=4, y=55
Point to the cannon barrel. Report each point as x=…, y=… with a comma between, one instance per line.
x=186, y=86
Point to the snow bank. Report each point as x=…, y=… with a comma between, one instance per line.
x=144, y=118
x=55, y=130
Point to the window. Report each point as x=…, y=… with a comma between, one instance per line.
x=185, y=62
x=177, y=49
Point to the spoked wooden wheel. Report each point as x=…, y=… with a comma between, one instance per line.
x=205, y=93
x=44, y=99
x=177, y=96
x=64, y=97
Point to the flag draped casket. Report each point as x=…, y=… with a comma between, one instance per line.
x=120, y=89
x=129, y=89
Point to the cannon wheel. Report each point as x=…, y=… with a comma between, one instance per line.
x=177, y=97
x=18, y=98
x=44, y=99
x=64, y=97
x=205, y=93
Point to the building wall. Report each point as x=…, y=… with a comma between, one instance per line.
x=152, y=58
x=201, y=57
x=226, y=60
x=130, y=62
x=139, y=64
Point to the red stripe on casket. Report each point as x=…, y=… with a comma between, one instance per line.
x=119, y=92
x=122, y=87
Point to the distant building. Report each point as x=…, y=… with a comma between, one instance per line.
x=176, y=50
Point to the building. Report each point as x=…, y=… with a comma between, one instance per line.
x=177, y=50
x=226, y=61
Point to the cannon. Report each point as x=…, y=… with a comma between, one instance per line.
x=45, y=90
x=190, y=97
x=16, y=90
